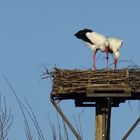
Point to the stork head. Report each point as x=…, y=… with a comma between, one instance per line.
x=116, y=54
x=114, y=43
x=119, y=44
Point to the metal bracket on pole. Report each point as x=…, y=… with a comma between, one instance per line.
x=131, y=129
x=66, y=120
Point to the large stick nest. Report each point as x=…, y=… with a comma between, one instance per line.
x=65, y=81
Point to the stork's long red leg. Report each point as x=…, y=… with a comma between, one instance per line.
x=115, y=64
x=106, y=50
x=94, y=60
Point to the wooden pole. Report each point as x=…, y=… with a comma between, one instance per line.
x=103, y=115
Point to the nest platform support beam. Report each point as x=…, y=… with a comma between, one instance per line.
x=65, y=119
x=103, y=118
x=131, y=129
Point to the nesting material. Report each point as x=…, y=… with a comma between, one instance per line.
x=65, y=81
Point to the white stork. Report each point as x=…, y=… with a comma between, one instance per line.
x=96, y=42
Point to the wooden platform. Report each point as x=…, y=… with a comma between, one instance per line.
x=90, y=86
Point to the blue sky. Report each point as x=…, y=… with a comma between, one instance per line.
x=34, y=33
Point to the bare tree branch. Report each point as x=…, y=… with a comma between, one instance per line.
x=6, y=119
x=23, y=113
x=34, y=120
x=53, y=129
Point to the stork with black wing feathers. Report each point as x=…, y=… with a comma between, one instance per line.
x=97, y=41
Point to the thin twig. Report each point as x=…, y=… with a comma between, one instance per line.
x=34, y=120
x=20, y=105
x=65, y=131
